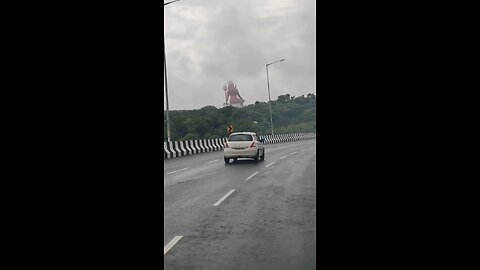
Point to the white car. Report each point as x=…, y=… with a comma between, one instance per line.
x=243, y=145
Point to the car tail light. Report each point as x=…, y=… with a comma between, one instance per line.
x=253, y=144
x=226, y=145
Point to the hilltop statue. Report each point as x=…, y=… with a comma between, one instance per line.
x=232, y=96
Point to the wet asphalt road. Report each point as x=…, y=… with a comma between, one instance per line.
x=265, y=222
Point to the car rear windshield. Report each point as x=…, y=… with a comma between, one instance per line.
x=240, y=138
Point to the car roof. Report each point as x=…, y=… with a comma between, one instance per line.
x=249, y=133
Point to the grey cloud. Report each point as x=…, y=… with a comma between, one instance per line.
x=211, y=42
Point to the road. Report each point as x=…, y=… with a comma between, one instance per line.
x=245, y=215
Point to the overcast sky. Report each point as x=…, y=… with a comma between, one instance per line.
x=209, y=42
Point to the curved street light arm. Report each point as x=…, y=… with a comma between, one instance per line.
x=170, y=2
x=275, y=62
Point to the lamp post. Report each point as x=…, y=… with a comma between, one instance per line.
x=268, y=86
x=169, y=134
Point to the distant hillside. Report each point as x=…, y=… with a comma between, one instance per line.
x=290, y=115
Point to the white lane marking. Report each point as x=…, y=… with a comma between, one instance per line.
x=251, y=176
x=171, y=243
x=177, y=171
x=213, y=161
x=293, y=153
x=269, y=164
x=223, y=198
x=283, y=157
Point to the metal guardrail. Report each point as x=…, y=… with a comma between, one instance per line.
x=192, y=147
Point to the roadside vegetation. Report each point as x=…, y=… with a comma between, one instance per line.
x=290, y=115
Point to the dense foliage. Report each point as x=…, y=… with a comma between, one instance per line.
x=290, y=115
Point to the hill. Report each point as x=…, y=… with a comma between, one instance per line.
x=290, y=115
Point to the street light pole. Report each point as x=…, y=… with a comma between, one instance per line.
x=166, y=93
x=268, y=87
x=169, y=134
x=269, y=100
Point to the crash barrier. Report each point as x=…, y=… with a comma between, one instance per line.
x=192, y=147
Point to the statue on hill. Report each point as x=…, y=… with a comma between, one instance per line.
x=232, y=96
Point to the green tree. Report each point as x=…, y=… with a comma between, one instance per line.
x=290, y=115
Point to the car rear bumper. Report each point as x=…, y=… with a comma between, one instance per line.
x=240, y=153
